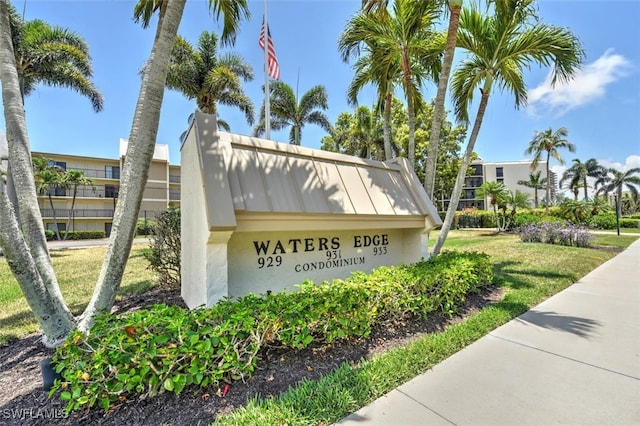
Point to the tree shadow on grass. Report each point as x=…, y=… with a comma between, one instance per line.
x=59, y=253
x=511, y=274
x=583, y=327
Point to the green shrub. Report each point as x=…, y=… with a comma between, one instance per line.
x=164, y=253
x=603, y=221
x=525, y=218
x=145, y=227
x=474, y=218
x=140, y=354
x=629, y=223
x=50, y=235
x=81, y=235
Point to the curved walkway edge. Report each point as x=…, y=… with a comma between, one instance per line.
x=572, y=360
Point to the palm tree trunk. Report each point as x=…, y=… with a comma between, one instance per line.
x=462, y=173
x=73, y=204
x=55, y=219
x=586, y=192
x=386, y=127
x=546, y=205
x=412, y=131
x=438, y=108
x=56, y=322
x=535, y=198
x=136, y=167
x=408, y=87
x=23, y=238
x=296, y=134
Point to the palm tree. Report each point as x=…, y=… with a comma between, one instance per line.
x=455, y=7
x=501, y=45
x=232, y=11
x=53, y=56
x=73, y=179
x=366, y=134
x=201, y=75
x=599, y=204
x=536, y=183
x=404, y=47
x=287, y=110
x=48, y=178
x=367, y=70
x=575, y=189
x=497, y=193
x=549, y=142
x=628, y=205
x=574, y=210
x=516, y=200
x=577, y=174
x=614, y=181
x=21, y=228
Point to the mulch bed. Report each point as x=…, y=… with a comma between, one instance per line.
x=23, y=402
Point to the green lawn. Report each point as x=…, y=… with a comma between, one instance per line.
x=77, y=271
x=529, y=273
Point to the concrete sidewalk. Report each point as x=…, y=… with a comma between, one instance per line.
x=572, y=360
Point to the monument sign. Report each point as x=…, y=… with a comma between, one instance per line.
x=260, y=216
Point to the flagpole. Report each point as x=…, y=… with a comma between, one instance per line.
x=267, y=106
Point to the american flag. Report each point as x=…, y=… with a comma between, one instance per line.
x=272, y=60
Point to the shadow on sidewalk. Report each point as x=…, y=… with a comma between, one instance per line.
x=582, y=327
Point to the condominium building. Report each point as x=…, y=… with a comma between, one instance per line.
x=95, y=203
x=507, y=172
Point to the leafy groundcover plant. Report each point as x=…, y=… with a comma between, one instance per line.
x=167, y=348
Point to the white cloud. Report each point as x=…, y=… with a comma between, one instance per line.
x=588, y=85
x=630, y=162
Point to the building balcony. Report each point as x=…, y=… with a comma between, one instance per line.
x=99, y=173
x=93, y=214
x=77, y=213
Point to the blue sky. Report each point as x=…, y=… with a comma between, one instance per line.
x=600, y=108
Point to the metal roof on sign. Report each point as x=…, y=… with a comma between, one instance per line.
x=264, y=176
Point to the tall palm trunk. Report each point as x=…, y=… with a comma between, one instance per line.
x=546, y=205
x=22, y=237
x=386, y=127
x=136, y=167
x=462, y=173
x=296, y=134
x=586, y=189
x=73, y=204
x=55, y=219
x=438, y=108
x=410, y=109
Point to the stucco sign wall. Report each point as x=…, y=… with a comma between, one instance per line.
x=262, y=216
x=264, y=261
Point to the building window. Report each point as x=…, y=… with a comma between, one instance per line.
x=111, y=172
x=500, y=180
x=110, y=191
x=499, y=172
x=55, y=190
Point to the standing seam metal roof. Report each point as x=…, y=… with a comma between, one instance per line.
x=270, y=177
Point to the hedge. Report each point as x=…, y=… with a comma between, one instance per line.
x=166, y=348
